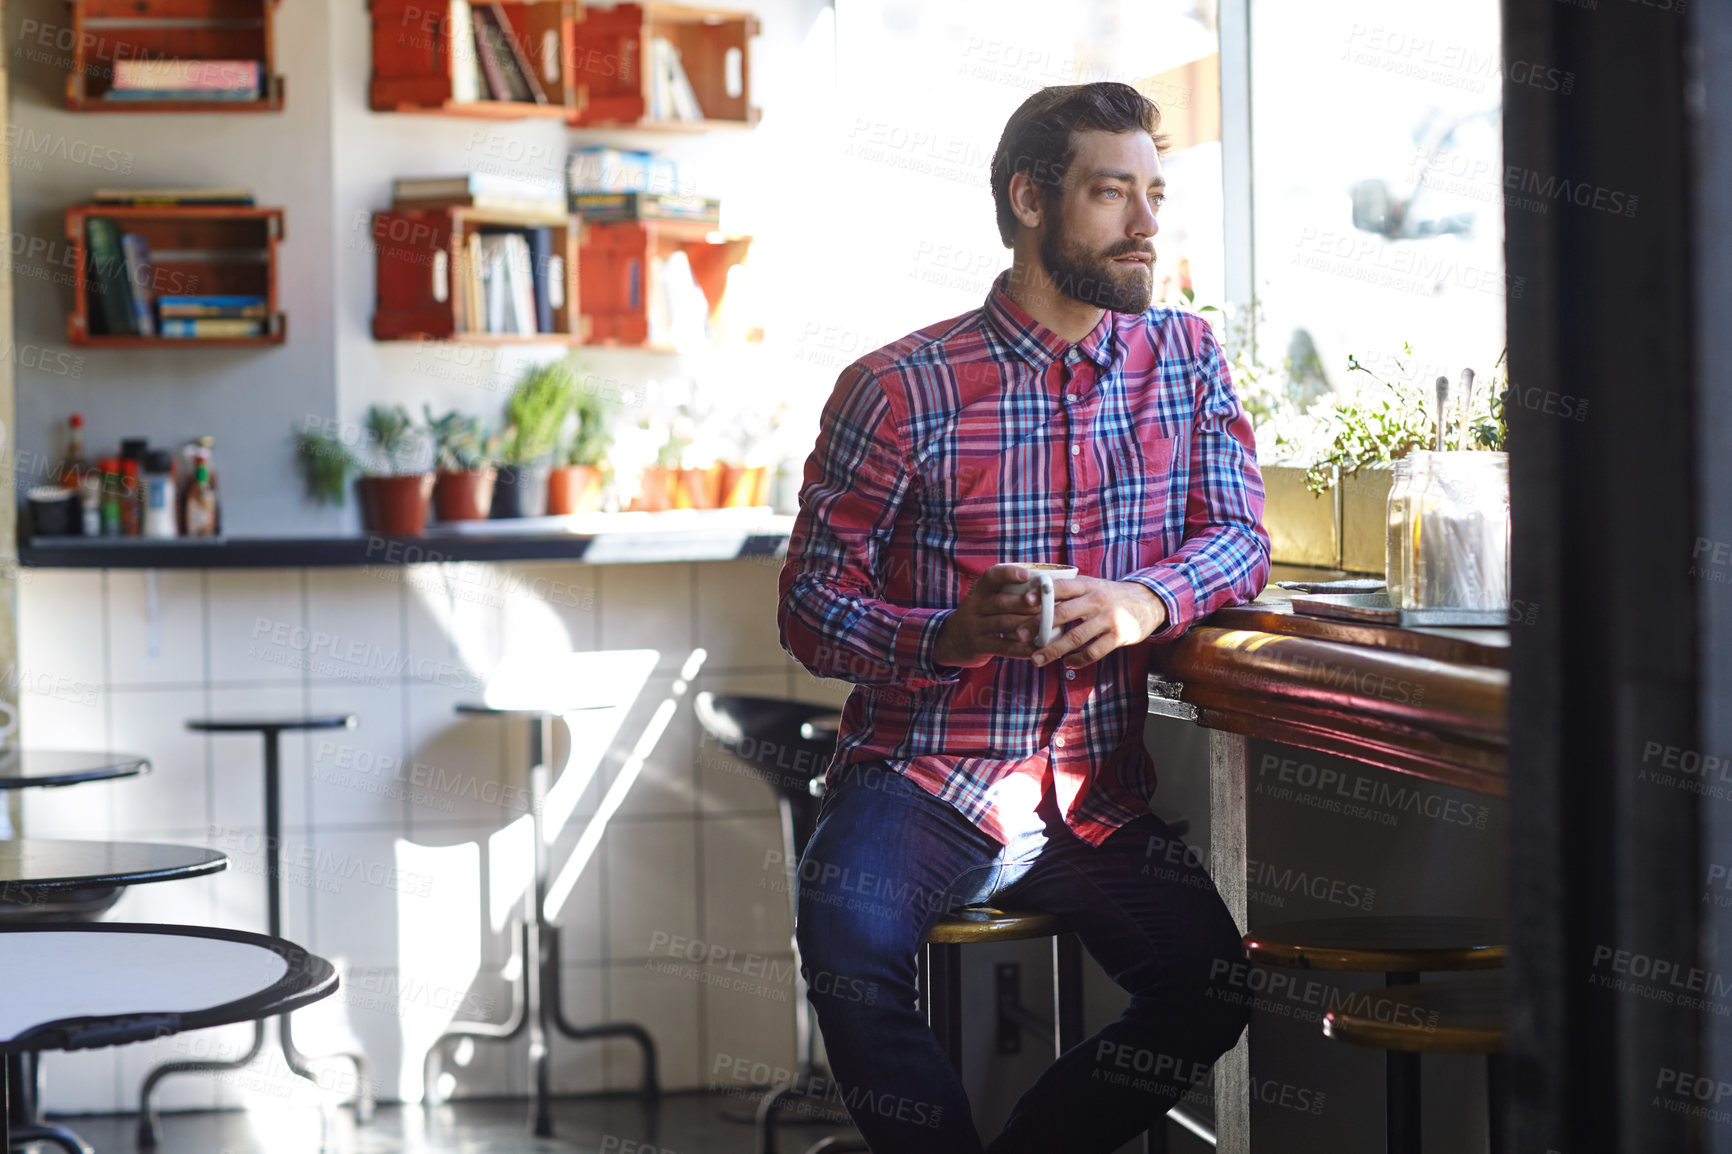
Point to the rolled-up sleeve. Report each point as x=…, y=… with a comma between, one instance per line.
x=831, y=617
x=1224, y=558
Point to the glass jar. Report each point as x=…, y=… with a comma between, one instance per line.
x=1406, y=476
x=1458, y=526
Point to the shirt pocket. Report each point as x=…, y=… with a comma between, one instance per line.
x=1142, y=503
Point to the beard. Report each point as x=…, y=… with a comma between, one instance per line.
x=1091, y=276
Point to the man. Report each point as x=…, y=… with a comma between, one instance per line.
x=1065, y=422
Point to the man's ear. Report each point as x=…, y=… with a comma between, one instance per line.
x=1025, y=200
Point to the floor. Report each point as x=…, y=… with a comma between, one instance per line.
x=679, y=1124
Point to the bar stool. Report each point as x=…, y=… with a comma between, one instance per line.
x=272, y=728
x=535, y=1001
x=1463, y=1017
x=1400, y=948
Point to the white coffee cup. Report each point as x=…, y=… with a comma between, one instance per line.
x=1044, y=576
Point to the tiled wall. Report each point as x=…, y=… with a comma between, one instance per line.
x=405, y=837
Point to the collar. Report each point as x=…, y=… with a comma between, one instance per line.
x=1033, y=341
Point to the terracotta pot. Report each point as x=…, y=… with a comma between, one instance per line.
x=697, y=488
x=521, y=491
x=463, y=496
x=657, y=490
x=574, y=489
x=395, y=506
x=744, y=487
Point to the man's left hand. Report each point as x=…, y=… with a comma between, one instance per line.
x=1101, y=616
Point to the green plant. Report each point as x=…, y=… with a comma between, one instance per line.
x=589, y=439
x=535, y=411
x=392, y=431
x=459, y=445
x=326, y=464
x=1488, y=430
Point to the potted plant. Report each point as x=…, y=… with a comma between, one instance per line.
x=463, y=457
x=574, y=485
x=533, y=416
x=662, y=481
x=394, y=494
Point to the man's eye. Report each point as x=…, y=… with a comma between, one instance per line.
x=1109, y=192
x=1158, y=199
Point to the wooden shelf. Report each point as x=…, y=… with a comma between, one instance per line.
x=714, y=45
x=412, y=59
x=109, y=30
x=197, y=250
x=422, y=255
x=618, y=263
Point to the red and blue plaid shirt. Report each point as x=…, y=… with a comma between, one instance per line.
x=986, y=439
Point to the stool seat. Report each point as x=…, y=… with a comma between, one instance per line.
x=1465, y=1016
x=1399, y=944
x=265, y=724
x=973, y=925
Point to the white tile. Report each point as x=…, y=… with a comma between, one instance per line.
x=157, y=648
x=187, y=902
x=749, y=1014
x=181, y=1091
x=547, y=607
x=448, y=629
x=494, y=1068
x=666, y=1004
x=651, y=890
x=481, y=902
x=257, y=625
x=363, y=893
x=458, y=763
x=666, y=781
x=356, y=621
x=172, y=797
x=237, y=760
x=60, y=626
x=359, y=776
x=82, y=1082
x=736, y=609
x=239, y=894
x=745, y=909
x=69, y=720
x=580, y=1067
x=725, y=783
x=647, y=607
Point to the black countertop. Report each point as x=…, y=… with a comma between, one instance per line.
x=596, y=539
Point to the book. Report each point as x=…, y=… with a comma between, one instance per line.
x=519, y=58
x=476, y=184
x=552, y=211
x=623, y=206
x=231, y=301
x=189, y=95
x=136, y=250
x=205, y=196
x=542, y=270
x=671, y=94
x=603, y=169
x=209, y=329
x=188, y=75
x=108, y=277
x=184, y=311
x=466, y=81
x=476, y=284
x=498, y=50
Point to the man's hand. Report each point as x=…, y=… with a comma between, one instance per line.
x=1102, y=615
x=991, y=622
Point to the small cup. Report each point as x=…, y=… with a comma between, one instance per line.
x=1044, y=576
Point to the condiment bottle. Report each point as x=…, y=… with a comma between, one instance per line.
x=131, y=499
x=201, y=509
x=72, y=464
x=90, y=499
x=110, y=496
x=159, y=507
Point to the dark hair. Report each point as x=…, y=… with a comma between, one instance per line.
x=1040, y=137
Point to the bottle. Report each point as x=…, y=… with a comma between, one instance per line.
x=72, y=464
x=110, y=469
x=159, y=504
x=201, y=507
x=90, y=498
x=186, y=467
x=131, y=499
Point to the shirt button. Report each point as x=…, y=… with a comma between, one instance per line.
x=1070, y=396
x=1075, y=527
x=1059, y=742
x=1070, y=675
x=1075, y=449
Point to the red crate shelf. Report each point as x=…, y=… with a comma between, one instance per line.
x=615, y=88
x=618, y=263
x=412, y=59
x=201, y=250
x=108, y=30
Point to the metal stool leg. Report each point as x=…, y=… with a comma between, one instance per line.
x=1401, y=1095
x=1067, y=992
x=149, y=1125
x=24, y=1074
x=944, y=998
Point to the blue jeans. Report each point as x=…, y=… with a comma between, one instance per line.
x=887, y=859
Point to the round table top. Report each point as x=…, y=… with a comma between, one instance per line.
x=109, y=983
x=48, y=863
x=261, y=724
x=1465, y=1016
x=24, y=768
x=1383, y=944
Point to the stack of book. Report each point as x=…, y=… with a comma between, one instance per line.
x=671, y=95
x=508, y=281
x=213, y=317
x=608, y=184
x=187, y=80
x=202, y=197
x=120, y=279
x=487, y=60
x=493, y=191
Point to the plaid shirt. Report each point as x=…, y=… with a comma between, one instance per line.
x=985, y=439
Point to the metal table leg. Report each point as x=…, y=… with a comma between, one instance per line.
x=1401, y=1116
x=1228, y=758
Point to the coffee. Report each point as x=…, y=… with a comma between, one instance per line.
x=1045, y=575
